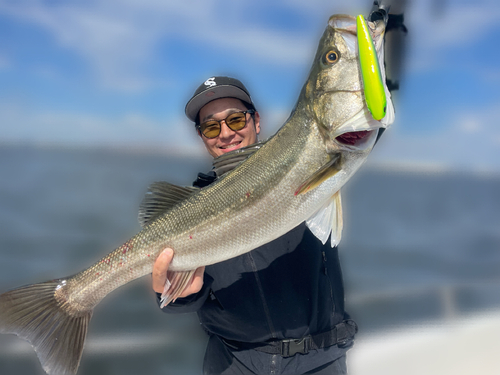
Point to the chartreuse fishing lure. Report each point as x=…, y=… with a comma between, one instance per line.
x=370, y=71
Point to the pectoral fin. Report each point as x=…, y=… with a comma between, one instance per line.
x=328, y=219
x=328, y=170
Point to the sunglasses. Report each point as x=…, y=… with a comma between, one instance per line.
x=235, y=121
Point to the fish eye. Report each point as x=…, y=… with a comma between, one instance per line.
x=331, y=57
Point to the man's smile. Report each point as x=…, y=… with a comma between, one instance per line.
x=230, y=146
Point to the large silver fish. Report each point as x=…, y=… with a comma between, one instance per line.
x=295, y=176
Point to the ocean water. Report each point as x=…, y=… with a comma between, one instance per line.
x=416, y=247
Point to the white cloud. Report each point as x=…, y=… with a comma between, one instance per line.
x=469, y=125
x=131, y=130
x=470, y=141
x=115, y=45
x=326, y=8
x=120, y=38
x=459, y=24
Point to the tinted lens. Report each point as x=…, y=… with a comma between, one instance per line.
x=210, y=129
x=236, y=121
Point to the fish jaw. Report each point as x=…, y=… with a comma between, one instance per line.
x=358, y=133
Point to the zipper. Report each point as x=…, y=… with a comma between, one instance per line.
x=262, y=297
x=325, y=270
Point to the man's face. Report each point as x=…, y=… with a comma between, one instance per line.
x=228, y=140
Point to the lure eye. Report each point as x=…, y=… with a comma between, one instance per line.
x=331, y=57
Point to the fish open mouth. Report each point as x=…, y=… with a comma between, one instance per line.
x=354, y=138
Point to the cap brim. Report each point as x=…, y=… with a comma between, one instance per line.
x=218, y=92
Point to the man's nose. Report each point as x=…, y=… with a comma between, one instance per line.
x=225, y=131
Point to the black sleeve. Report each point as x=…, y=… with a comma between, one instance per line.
x=205, y=179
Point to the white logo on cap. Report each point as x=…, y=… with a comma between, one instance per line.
x=210, y=82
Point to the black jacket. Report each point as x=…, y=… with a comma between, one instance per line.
x=288, y=288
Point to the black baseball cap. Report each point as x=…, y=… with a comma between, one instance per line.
x=216, y=88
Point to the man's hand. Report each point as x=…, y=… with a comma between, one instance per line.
x=160, y=269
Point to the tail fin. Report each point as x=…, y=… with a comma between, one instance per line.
x=57, y=333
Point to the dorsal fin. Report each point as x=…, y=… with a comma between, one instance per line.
x=231, y=160
x=161, y=197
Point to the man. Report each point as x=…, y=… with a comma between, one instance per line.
x=278, y=309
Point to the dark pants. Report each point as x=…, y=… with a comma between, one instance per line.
x=220, y=360
x=337, y=367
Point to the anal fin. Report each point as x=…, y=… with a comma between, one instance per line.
x=176, y=282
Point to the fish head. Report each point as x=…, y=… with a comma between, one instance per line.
x=334, y=92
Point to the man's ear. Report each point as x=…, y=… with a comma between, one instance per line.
x=256, y=120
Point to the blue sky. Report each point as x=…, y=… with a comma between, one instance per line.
x=117, y=73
